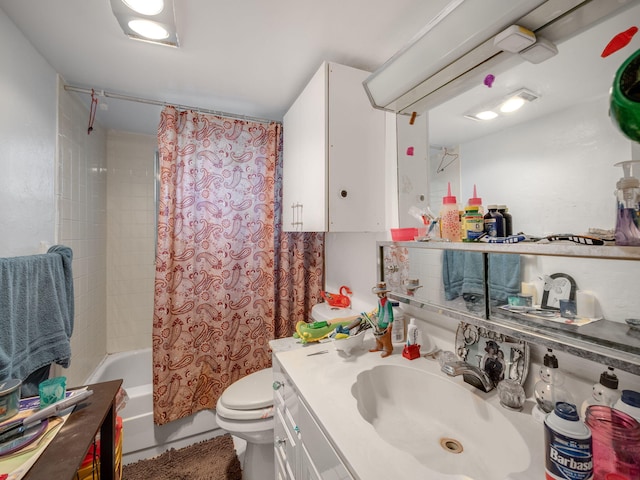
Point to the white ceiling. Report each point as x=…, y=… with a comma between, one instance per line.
x=247, y=57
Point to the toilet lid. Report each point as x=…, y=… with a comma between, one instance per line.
x=253, y=392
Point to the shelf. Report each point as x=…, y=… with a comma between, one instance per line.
x=554, y=249
x=612, y=348
x=607, y=342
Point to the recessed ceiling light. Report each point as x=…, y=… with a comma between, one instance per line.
x=149, y=29
x=145, y=7
x=508, y=104
x=486, y=115
x=512, y=104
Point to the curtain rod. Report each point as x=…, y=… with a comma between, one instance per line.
x=119, y=96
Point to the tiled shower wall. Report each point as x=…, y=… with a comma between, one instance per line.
x=81, y=201
x=130, y=240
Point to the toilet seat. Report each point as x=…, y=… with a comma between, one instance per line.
x=250, y=398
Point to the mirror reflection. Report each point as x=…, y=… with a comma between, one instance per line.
x=552, y=164
x=552, y=161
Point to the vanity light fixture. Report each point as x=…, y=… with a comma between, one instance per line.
x=506, y=105
x=147, y=20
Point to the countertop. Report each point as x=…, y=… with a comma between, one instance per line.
x=325, y=383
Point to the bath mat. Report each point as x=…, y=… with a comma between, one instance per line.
x=213, y=459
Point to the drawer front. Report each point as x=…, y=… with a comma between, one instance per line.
x=324, y=459
x=285, y=441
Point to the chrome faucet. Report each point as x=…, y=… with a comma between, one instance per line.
x=472, y=375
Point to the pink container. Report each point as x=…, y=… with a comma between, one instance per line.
x=616, y=443
x=407, y=234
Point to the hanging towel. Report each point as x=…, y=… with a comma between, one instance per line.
x=463, y=274
x=36, y=312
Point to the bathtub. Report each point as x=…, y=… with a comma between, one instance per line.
x=142, y=438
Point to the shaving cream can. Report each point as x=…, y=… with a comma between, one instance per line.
x=568, y=449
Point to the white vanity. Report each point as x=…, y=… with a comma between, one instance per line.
x=367, y=417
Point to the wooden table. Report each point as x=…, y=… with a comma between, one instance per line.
x=66, y=452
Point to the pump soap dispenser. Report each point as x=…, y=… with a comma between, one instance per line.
x=605, y=392
x=550, y=390
x=628, y=206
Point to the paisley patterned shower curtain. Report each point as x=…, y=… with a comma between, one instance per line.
x=227, y=279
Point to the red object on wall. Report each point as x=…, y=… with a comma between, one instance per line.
x=621, y=40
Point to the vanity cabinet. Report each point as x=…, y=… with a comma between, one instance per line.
x=302, y=452
x=333, y=156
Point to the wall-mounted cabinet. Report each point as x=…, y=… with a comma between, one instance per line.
x=608, y=340
x=333, y=156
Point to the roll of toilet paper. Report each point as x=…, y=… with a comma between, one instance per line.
x=586, y=304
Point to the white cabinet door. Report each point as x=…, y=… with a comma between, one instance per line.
x=356, y=155
x=304, y=190
x=333, y=156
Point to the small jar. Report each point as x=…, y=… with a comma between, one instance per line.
x=511, y=393
x=616, y=442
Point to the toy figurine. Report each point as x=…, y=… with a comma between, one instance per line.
x=384, y=315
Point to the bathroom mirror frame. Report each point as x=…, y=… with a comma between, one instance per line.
x=611, y=343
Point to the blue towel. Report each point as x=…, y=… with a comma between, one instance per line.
x=463, y=273
x=36, y=312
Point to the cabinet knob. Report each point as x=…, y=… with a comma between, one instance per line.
x=344, y=193
x=280, y=442
x=277, y=385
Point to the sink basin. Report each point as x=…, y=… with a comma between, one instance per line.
x=443, y=425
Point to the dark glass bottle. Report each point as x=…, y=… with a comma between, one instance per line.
x=508, y=225
x=494, y=222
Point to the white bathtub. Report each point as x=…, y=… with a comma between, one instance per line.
x=142, y=438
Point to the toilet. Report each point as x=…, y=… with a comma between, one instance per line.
x=245, y=410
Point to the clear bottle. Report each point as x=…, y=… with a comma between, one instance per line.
x=628, y=206
x=616, y=443
x=450, y=217
x=550, y=390
x=494, y=222
x=508, y=221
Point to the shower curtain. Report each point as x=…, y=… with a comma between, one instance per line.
x=228, y=279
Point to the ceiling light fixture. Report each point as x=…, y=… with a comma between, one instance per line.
x=148, y=29
x=147, y=20
x=145, y=7
x=509, y=104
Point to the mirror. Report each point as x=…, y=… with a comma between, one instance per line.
x=551, y=163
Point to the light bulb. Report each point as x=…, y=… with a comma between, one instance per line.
x=511, y=105
x=145, y=7
x=149, y=29
x=486, y=115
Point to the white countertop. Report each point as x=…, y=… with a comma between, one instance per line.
x=325, y=382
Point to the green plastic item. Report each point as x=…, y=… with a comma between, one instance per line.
x=625, y=98
x=52, y=390
x=309, y=332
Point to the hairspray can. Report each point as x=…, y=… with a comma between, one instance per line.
x=568, y=445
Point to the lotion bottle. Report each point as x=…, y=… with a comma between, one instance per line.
x=398, y=329
x=413, y=334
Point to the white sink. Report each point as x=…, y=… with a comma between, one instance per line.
x=446, y=427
